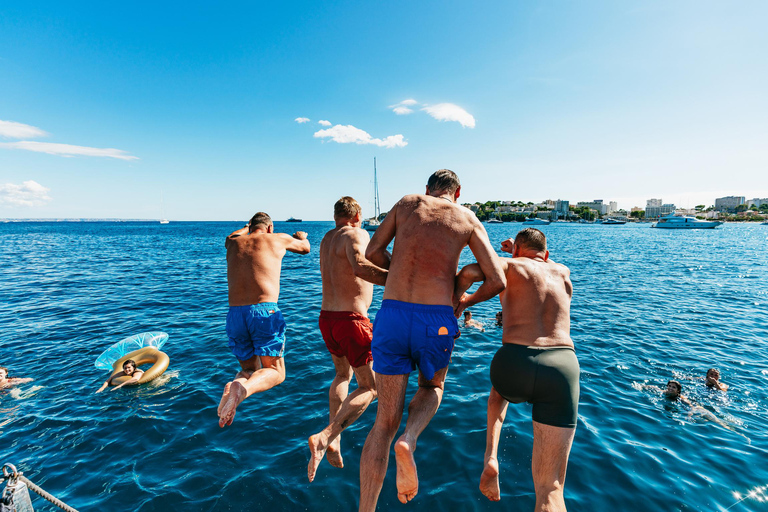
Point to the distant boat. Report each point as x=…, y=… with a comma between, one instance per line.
x=373, y=223
x=293, y=219
x=613, y=222
x=673, y=221
x=762, y=223
x=494, y=221
x=533, y=221
x=164, y=221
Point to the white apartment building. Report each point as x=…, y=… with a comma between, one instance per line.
x=654, y=212
x=728, y=203
x=613, y=206
x=758, y=202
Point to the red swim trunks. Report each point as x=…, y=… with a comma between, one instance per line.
x=347, y=334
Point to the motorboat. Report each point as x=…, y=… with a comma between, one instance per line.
x=533, y=221
x=673, y=221
x=493, y=220
x=613, y=222
x=293, y=219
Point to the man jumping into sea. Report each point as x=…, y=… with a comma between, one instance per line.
x=255, y=325
x=415, y=326
x=536, y=363
x=347, y=294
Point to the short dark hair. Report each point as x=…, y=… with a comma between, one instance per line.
x=677, y=385
x=4, y=368
x=468, y=313
x=346, y=208
x=443, y=180
x=259, y=219
x=131, y=362
x=531, y=238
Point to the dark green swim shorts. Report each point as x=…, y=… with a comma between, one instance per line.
x=547, y=377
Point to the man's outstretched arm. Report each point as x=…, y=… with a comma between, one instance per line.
x=362, y=267
x=489, y=265
x=297, y=242
x=377, y=252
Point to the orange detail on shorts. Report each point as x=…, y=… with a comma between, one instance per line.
x=442, y=330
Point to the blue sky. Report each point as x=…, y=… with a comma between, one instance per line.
x=105, y=108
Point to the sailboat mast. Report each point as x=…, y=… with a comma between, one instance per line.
x=376, y=205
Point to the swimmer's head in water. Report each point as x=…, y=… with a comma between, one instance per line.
x=129, y=367
x=346, y=208
x=674, y=389
x=260, y=221
x=531, y=238
x=467, y=315
x=713, y=375
x=443, y=181
x=3, y=372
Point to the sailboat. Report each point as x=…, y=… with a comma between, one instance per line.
x=163, y=220
x=373, y=223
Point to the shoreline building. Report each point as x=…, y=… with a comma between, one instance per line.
x=728, y=203
x=757, y=202
x=596, y=205
x=654, y=208
x=562, y=209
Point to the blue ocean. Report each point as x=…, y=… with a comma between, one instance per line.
x=649, y=305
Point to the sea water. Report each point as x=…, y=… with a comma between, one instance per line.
x=649, y=305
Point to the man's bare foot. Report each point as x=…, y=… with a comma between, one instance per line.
x=489, y=480
x=316, y=453
x=237, y=394
x=334, y=454
x=224, y=398
x=407, y=477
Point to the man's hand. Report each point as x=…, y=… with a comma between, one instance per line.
x=300, y=235
x=460, y=305
x=508, y=246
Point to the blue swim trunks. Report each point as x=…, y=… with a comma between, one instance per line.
x=407, y=335
x=256, y=330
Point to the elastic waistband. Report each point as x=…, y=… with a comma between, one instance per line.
x=259, y=306
x=342, y=315
x=421, y=308
x=517, y=346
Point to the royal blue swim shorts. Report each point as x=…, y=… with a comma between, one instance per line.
x=256, y=330
x=407, y=336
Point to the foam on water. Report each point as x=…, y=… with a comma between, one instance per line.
x=648, y=306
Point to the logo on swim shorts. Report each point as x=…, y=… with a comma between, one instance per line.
x=271, y=311
x=442, y=331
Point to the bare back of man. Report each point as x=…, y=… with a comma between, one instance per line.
x=255, y=325
x=536, y=363
x=347, y=293
x=415, y=326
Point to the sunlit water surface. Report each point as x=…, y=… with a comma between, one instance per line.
x=649, y=305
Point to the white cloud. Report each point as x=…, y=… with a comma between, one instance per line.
x=302, y=120
x=451, y=112
x=67, y=149
x=323, y=122
x=402, y=109
x=29, y=193
x=349, y=134
x=13, y=130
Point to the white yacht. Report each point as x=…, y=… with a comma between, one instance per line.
x=673, y=221
x=533, y=221
x=613, y=222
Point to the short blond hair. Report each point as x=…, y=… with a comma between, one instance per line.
x=346, y=208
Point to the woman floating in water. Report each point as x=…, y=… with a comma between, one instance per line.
x=7, y=382
x=130, y=370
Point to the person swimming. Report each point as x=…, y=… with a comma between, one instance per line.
x=129, y=369
x=713, y=380
x=469, y=322
x=7, y=382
